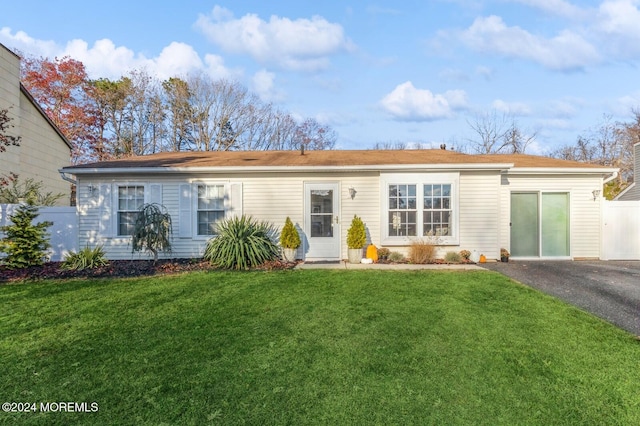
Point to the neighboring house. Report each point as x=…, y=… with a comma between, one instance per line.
x=534, y=206
x=43, y=148
x=632, y=192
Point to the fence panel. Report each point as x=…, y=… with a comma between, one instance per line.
x=621, y=230
x=63, y=233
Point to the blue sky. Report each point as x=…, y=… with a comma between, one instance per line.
x=403, y=71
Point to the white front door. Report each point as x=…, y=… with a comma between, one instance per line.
x=321, y=217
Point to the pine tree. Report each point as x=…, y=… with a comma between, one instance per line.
x=24, y=243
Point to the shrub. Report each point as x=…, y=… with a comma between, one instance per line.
x=152, y=230
x=422, y=252
x=241, y=243
x=25, y=244
x=87, y=258
x=289, y=237
x=465, y=254
x=383, y=252
x=452, y=257
x=396, y=257
x=356, y=234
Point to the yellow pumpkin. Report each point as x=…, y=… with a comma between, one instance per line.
x=483, y=258
x=372, y=252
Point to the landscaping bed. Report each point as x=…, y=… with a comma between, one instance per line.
x=117, y=269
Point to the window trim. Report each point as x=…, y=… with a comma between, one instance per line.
x=194, y=204
x=116, y=203
x=225, y=205
x=419, y=179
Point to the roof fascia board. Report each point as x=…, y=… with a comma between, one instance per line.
x=560, y=171
x=287, y=169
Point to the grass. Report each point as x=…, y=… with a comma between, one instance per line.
x=312, y=347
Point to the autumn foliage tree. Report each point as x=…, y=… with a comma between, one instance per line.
x=137, y=114
x=61, y=87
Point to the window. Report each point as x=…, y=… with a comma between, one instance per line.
x=420, y=205
x=130, y=200
x=437, y=210
x=210, y=208
x=402, y=210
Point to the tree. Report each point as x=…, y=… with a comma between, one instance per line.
x=310, y=134
x=152, y=230
x=179, y=114
x=608, y=144
x=61, y=87
x=499, y=134
x=24, y=243
x=137, y=115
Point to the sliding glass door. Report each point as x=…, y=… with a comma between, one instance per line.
x=540, y=224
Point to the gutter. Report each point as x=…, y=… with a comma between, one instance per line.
x=64, y=176
x=613, y=176
x=287, y=169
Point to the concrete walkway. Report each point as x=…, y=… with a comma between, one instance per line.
x=384, y=266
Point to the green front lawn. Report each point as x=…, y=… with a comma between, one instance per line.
x=312, y=347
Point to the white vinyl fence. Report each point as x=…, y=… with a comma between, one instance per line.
x=63, y=233
x=621, y=230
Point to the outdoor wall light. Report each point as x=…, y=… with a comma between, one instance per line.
x=92, y=189
x=352, y=192
x=596, y=194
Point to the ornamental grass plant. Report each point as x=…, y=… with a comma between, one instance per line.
x=242, y=243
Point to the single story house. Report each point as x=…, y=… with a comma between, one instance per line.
x=536, y=207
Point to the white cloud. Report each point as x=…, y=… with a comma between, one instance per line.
x=408, y=103
x=22, y=42
x=566, y=51
x=564, y=108
x=105, y=59
x=512, y=108
x=263, y=84
x=626, y=104
x=618, y=24
x=301, y=44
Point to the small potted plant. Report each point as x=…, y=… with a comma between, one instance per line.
x=356, y=239
x=504, y=255
x=289, y=240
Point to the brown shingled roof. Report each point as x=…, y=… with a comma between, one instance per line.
x=336, y=158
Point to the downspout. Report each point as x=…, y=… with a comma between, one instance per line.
x=613, y=176
x=64, y=176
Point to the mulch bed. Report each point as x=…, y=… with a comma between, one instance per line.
x=118, y=269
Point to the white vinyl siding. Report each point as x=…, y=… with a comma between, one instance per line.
x=584, y=214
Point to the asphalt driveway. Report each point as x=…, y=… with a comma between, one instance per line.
x=608, y=289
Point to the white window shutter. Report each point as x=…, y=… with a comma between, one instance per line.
x=185, y=216
x=234, y=207
x=155, y=193
x=106, y=211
